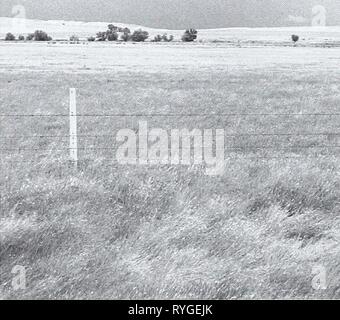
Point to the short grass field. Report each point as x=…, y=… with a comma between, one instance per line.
x=263, y=229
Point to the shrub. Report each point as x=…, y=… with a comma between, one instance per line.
x=10, y=37
x=111, y=35
x=112, y=28
x=126, y=30
x=190, y=35
x=140, y=35
x=126, y=36
x=166, y=38
x=91, y=39
x=158, y=38
x=101, y=36
x=30, y=37
x=295, y=38
x=40, y=35
x=74, y=38
x=21, y=38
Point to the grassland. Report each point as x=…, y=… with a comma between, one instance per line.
x=110, y=231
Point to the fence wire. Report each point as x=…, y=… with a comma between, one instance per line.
x=41, y=151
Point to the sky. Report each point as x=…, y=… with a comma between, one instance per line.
x=179, y=14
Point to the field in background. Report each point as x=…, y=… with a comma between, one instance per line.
x=110, y=231
x=166, y=58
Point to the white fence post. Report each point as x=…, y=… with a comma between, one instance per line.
x=73, y=128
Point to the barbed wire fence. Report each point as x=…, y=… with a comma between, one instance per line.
x=5, y=148
x=63, y=149
x=72, y=148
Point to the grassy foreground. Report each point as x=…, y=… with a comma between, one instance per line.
x=108, y=231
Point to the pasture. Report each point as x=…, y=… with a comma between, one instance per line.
x=261, y=230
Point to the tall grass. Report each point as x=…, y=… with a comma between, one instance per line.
x=110, y=231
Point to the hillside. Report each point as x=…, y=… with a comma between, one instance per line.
x=180, y=14
x=60, y=29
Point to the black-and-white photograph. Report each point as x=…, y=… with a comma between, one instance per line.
x=169, y=150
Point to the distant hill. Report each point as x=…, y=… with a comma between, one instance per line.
x=179, y=14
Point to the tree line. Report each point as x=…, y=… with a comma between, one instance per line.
x=38, y=35
x=113, y=33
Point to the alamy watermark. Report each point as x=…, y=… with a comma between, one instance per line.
x=177, y=147
x=18, y=280
x=157, y=146
x=18, y=21
x=319, y=16
x=319, y=281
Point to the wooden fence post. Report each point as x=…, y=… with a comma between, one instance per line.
x=73, y=128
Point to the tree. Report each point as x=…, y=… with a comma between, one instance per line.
x=112, y=27
x=40, y=35
x=10, y=37
x=166, y=38
x=140, y=35
x=295, y=38
x=126, y=36
x=126, y=30
x=21, y=38
x=101, y=36
x=157, y=38
x=74, y=38
x=190, y=35
x=111, y=35
x=30, y=37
